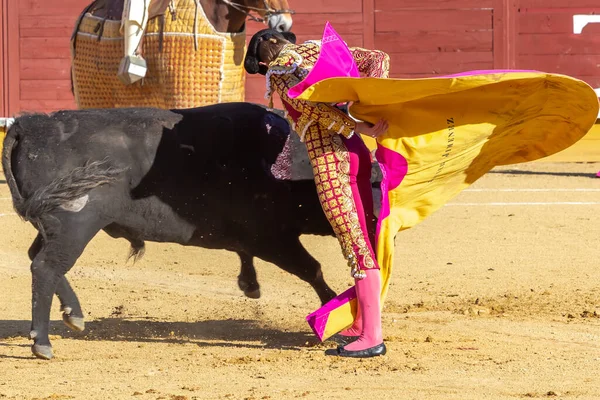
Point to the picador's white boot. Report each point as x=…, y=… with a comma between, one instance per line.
x=133, y=24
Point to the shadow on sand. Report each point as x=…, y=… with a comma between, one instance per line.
x=232, y=333
x=555, y=173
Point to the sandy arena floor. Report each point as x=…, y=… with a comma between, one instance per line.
x=496, y=296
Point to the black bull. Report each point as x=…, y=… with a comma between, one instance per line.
x=197, y=177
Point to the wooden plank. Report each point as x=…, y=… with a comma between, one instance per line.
x=54, y=26
x=390, y=5
x=45, y=7
x=3, y=62
x=567, y=10
x=12, y=66
x=46, y=90
x=368, y=23
x=558, y=43
x=52, y=11
x=308, y=24
x=558, y=3
x=439, y=63
x=44, y=69
x=505, y=33
x=352, y=40
x=47, y=105
x=552, y=23
x=316, y=7
x=428, y=42
x=343, y=23
x=255, y=90
x=586, y=65
x=45, y=48
x=434, y=20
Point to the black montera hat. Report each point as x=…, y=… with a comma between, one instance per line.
x=252, y=60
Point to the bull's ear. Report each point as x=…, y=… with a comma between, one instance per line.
x=289, y=36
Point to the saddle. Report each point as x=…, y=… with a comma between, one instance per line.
x=113, y=9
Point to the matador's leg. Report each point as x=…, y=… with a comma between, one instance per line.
x=336, y=169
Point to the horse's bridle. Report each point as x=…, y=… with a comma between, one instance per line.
x=248, y=9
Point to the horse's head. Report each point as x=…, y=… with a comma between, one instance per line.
x=276, y=13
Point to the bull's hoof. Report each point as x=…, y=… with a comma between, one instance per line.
x=251, y=290
x=43, y=351
x=253, y=294
x=74, y=323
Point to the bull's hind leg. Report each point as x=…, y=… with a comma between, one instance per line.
x=66, y=238
x=69, y=303
x=247, y=277
x=288, y=254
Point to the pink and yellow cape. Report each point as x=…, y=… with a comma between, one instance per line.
x=444, y=134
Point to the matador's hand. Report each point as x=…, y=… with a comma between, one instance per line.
x=374, y=131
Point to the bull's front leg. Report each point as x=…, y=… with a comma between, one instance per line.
x=247, y=278
x=69, y=305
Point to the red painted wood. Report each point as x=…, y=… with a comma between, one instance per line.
x=559, y=43
x=553, y=10
x=552, y=23
x=433, y=20
x=439, y=63
x=46, y=90
x=44, y=69
x=45, y=48
x=429, y=42
x=52, y=26
x=52, y=7
x=313, y=24
x=3, y=59
x=317, y=7
x=255, y=90
x=558, y=3
x=585, y=65
x=389, y=5
x=368, y=23
x=12, y=64
x=47, y=105
x=505, y=33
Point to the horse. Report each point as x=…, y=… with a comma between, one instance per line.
x=165, y=53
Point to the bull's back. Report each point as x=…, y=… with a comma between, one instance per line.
x=50, y=146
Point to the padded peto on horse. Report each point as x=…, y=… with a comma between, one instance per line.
x=189, y=63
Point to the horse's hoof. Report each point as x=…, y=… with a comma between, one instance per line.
x=253, y=294
x=75, y=323
x=43, y=351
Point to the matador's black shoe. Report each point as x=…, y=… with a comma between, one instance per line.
x=374, y=351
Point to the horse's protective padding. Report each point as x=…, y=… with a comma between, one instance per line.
x=190, y=64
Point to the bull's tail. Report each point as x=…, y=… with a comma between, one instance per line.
x=65, y=191
x=10, y=141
